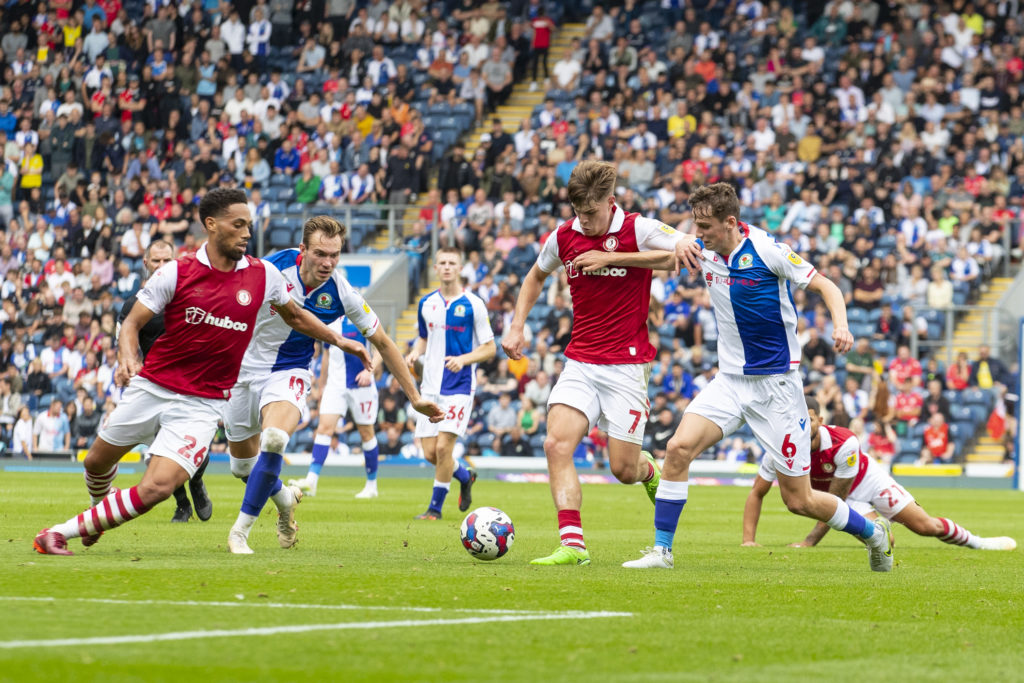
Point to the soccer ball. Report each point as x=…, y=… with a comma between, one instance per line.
x=487, y=533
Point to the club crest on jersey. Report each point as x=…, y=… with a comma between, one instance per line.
x=794, y=258
x=827, y=467
x=611, y=243
x=746, y=261
x=459, y=311
x=243, y=297
x=324, y=300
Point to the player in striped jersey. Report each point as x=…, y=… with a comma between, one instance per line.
x=749, y=276
x=839, y=466
x=269, y=399
x=454, y=335
x=345, y=387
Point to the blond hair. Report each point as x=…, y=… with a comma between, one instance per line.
x=323, y=224
x=591, y=183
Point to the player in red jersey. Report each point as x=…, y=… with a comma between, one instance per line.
x=175, y=399
x=840, y=467
x=608, y=255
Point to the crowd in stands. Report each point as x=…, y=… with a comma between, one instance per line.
x=883, y=140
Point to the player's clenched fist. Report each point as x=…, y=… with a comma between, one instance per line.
x=428, y=408
x=512, y=343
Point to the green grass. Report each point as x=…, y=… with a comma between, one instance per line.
x=725, y=613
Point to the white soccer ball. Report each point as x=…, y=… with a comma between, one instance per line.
x=487, y=533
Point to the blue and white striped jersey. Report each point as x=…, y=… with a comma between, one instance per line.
x=276, y=346
x=342, y=364
x=451, y=328
x=753, y=303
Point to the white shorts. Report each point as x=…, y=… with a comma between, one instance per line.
x=360, y=402
x=174, y=425
x=457, y=409
x=773, y=406
x=242, y=414
x=878, y=491
x=613, y=397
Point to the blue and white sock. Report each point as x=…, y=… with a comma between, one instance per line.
x=668, y=505
x=264, y=481
x=439, y=494
x=852, y=522
x=321, y=444
x=461, y=473
x=371, y=454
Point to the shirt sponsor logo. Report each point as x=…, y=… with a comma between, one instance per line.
x=324, y=300
x=195, y=316
x=607, y=271
x=746, y=261
x=741, y=281
x=243, y=297
x=612, y=243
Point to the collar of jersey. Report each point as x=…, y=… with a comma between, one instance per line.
x=618, y=216
x=204, y=258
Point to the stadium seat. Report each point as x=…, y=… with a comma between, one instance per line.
x=357, y=275
x=279, y=238
x=981, y=397
x=883, y=347
x=962, y=413
x=857, y=315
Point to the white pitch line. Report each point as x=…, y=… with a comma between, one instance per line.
x=306, y=628
x=272, y=605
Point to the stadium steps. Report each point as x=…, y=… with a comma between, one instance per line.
x=406, y=327
x=521, y=103
x=987, y=450
x=971, y=330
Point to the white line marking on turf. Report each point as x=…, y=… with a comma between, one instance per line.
x=284, y=605
x=305, y=628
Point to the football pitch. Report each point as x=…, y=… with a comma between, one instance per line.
x=370, y=595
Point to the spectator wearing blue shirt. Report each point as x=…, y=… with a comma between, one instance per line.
x=678, y=383
x=286, y=159
x=8, y=121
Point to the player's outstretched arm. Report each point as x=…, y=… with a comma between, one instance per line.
x=128, y=356
x=394, y=362
x=594, y=260
x=839, y=488
x=529, y=292
x=752, y=511
x=836, y=305
x=301, y=320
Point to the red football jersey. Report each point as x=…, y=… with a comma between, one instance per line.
x=209, y=318
x=610, y=306
x=838, y=455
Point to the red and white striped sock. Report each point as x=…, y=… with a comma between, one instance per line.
x=99, y=484
x=570, y=528
x=954, y=533
x=117, y=508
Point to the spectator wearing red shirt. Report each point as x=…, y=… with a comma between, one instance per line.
x=882, y=442
x=937, y=447
x=959, y=373
x=904, y=367
x=905, y=408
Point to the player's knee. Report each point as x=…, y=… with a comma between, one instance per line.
x=799, y=505
x=680, y=447
x=273, y=440
x=155, y=491
x=242, y=467
x=555, y=447
x=624, y=471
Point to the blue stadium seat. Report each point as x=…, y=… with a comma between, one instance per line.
x=856, y=314
x=981, y=397
x=280, y=238
x=961, y=413
x=357, y=275
x=285, y=194
x=883, y=347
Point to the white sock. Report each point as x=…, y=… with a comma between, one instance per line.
x=283, y=499
x=371, y=484
x=244, y=523
x=312, y=478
